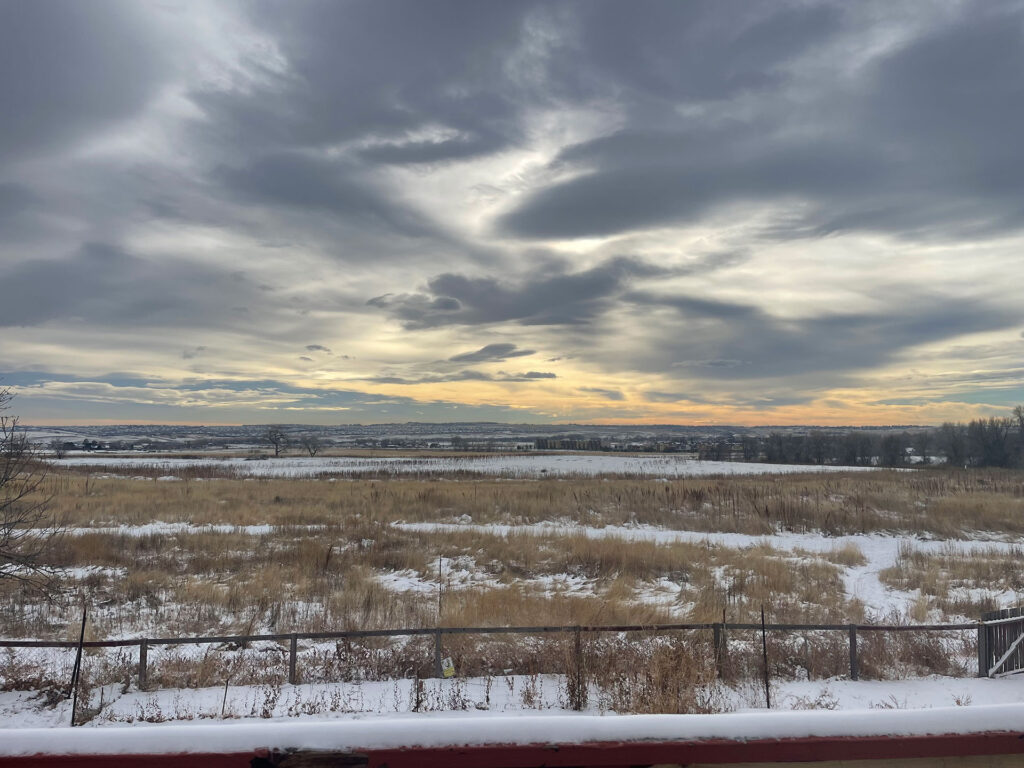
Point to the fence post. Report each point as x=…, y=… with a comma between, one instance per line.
x=293, y=650
x=854, y=672
x=78, y=669
x=578, y=690
x=437, y=653
x=764, y=650
x=719, y=642
x=982, y=650
x=143, y=660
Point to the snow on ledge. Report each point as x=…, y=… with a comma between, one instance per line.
x=481, y=730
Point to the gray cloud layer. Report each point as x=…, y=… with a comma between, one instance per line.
x=67, y=69
x=659, y=190
x=555, y=298
x=490, y=353
x=102, y=284
x=923, y=139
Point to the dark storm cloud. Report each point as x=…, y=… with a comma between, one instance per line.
x=69, y=69
x=14, y=198
x=453, y=369
x=308, y=184
x=688, y=184
x=383, y=69
x=366, y=86
x=466, y=375
x=655, y=396
x=558, y=298
x=717, y=340
x=491, y=353
x=703, y=50
x=607, y=394
x=696, y=307
x=103, y=284
x=924, y=143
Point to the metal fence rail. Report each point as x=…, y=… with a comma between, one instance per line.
x=1001, y=644
x=718, y=629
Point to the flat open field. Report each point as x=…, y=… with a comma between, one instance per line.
x=201, y=550
x=513, y=465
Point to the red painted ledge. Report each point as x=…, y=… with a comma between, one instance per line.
x=587, y=755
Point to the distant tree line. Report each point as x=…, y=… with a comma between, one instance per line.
x=994, y=442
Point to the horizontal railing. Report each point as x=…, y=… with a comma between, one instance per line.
x=292, y=638
x=521, y=630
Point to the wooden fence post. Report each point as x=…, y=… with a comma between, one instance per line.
x=578, y=691
x=437, y=654
x=982, y=650
x=293, y=651
x=143, y=661
x=76, y=674
x=720, y=644
x=992, y=636
x=764, y=650
x=854, y=672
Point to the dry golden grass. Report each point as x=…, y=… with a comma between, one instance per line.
x=848, y=554
x=320, y=567
x=957, y=581
x=943, y=503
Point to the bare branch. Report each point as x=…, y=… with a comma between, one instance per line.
x=27, y=524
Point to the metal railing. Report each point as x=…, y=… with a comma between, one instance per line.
x=718, y=631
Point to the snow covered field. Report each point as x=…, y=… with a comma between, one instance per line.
x=537, y=465
x=652, y=545
x=861, y=582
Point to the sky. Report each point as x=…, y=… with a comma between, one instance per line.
x=680, y=212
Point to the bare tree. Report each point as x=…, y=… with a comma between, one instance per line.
x=311, y=443
x=57, y=448
x=1018, y=414
x=277, y=437
x=27, y=525
x=922, y=444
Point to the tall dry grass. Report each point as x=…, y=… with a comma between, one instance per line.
x=958, y=581
x=942, y=503
x=319, y=564
x=322, y=564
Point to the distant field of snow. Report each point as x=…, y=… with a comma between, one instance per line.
x=527, y=465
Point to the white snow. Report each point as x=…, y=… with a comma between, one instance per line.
x=862, y=582
x=157, y=527
x=382, y=709
x=482, y=729
x=536, y=465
